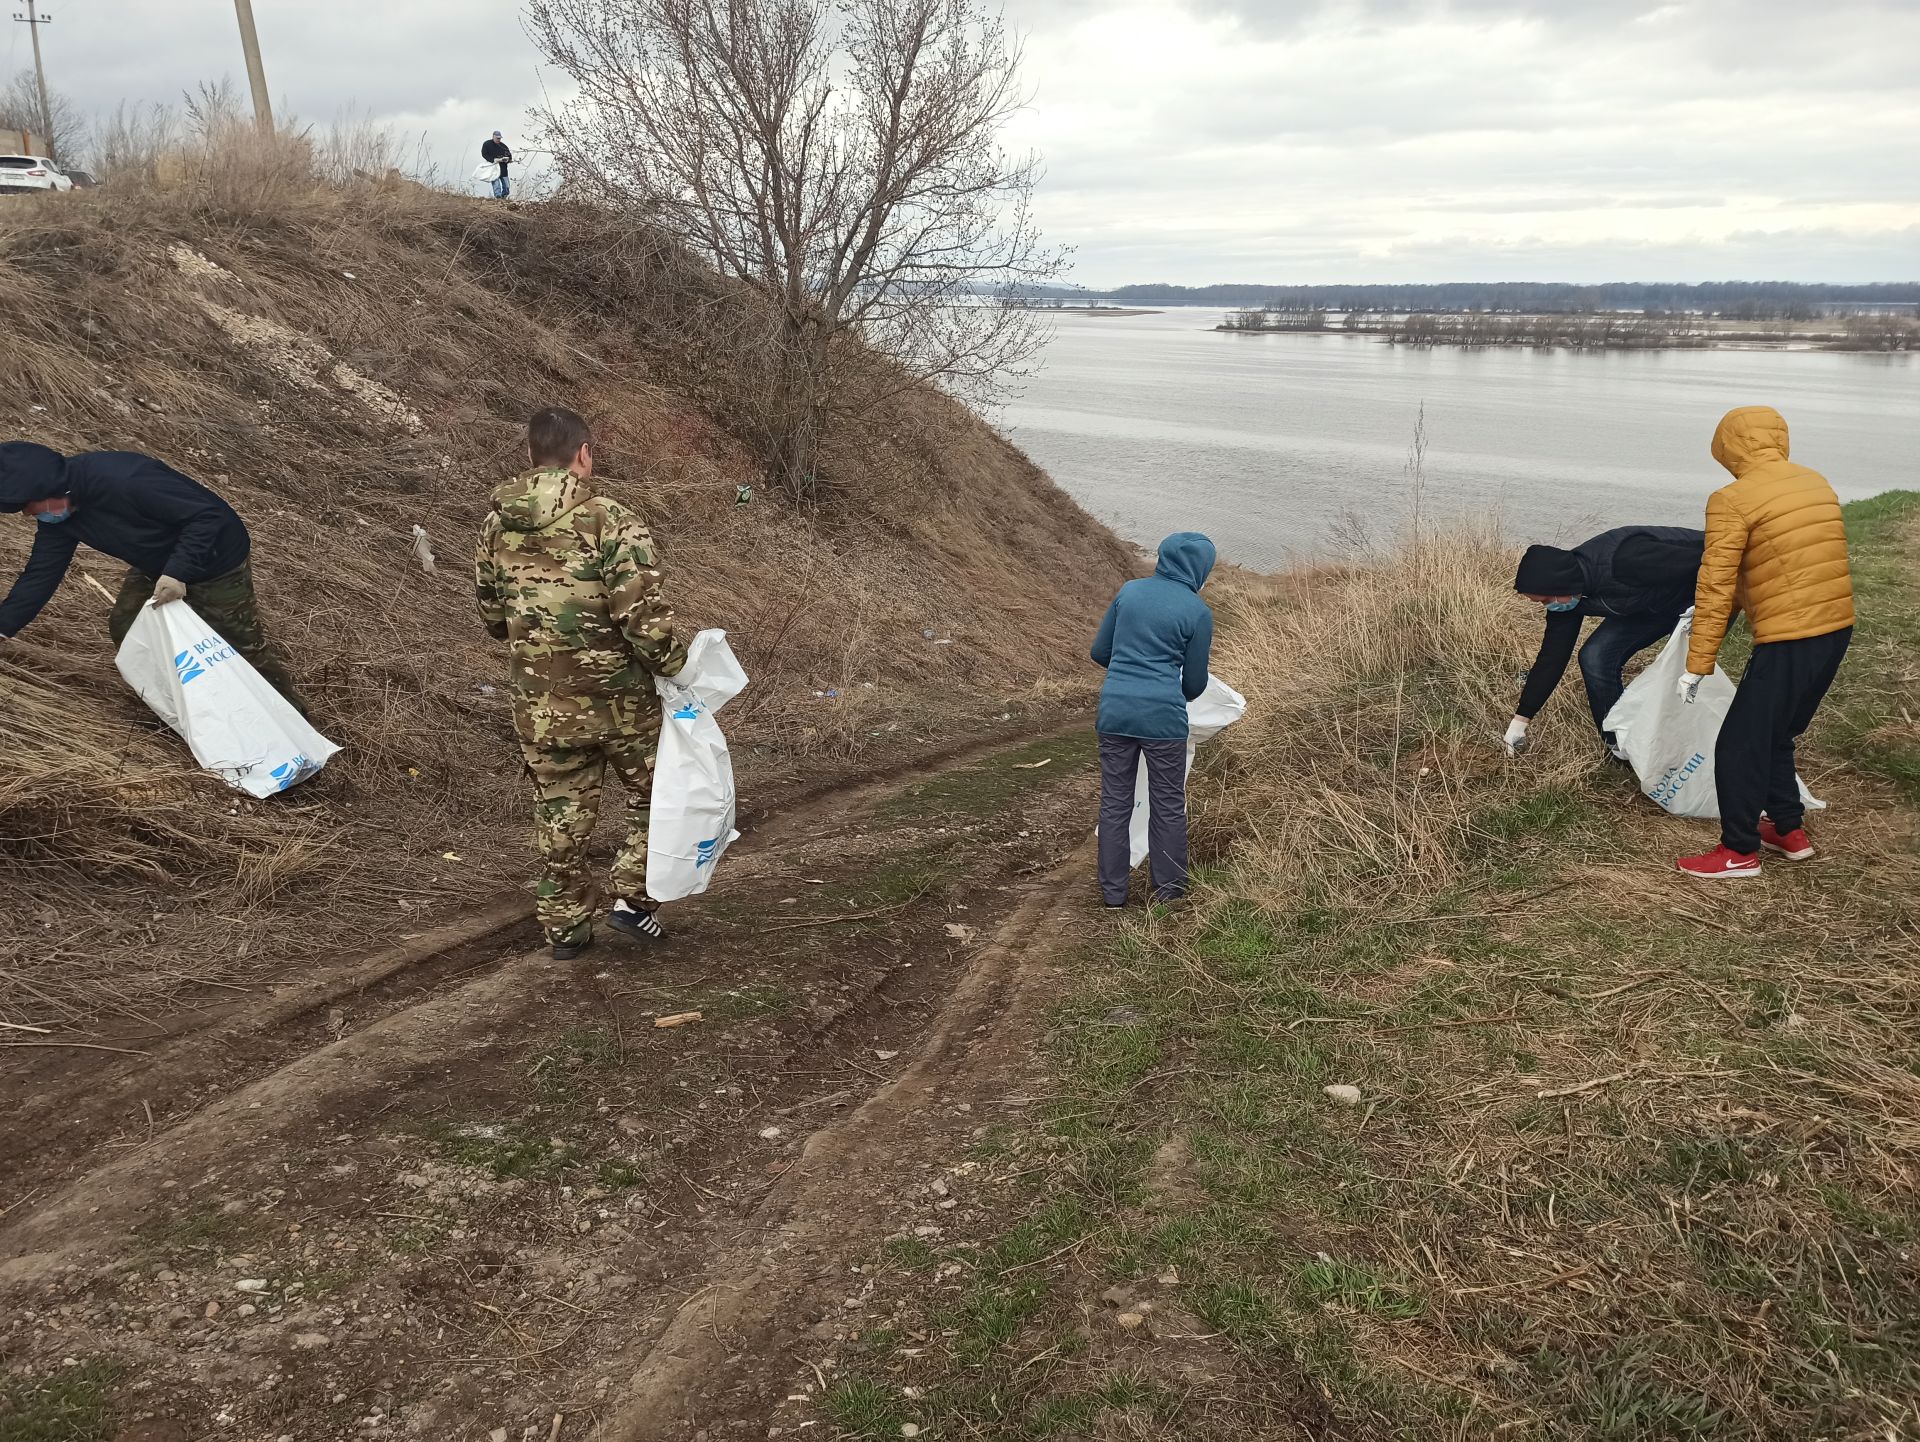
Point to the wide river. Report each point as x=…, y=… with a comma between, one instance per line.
x=1269, y=444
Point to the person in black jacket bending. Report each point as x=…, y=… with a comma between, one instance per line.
x=180, y=542
x=1637, y=579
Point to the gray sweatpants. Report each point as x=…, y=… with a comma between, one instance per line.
x=1166, y=814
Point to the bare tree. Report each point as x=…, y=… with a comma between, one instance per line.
x=841, y=156
x=20, y=110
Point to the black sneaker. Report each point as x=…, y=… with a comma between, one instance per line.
x=568, y=950
x=636, y=921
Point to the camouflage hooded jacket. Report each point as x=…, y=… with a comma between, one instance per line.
x=571, y=581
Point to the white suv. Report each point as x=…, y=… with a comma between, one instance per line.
x=31, y=172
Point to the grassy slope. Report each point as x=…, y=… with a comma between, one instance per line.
x=205, y=323
x=1633, y=1159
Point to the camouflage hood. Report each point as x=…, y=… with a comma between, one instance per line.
x=536, y=500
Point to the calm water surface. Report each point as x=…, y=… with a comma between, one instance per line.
x=1157, y=423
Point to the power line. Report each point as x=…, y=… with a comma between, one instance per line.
x=33, y=20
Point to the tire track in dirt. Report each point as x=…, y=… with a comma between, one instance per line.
x=109, y=1199
x=461, y=1044
x=754, y=1299
x=202, y=1056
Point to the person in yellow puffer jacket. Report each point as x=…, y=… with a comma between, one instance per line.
x=1777, y=549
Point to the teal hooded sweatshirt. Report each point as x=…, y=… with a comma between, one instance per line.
x=1155, y=643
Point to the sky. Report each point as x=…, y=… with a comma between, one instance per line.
x=1266, y=141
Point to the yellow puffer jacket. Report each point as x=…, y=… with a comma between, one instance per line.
x=1775, y=541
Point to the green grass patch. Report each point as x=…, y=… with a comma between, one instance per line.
x=864, y=1408
x=746, y=1003
x=909, y=1254
x=573, y=1059
x=1870, y=715
x=995, y=785
x=507, y=1150
x=1544, y=815
x=1326, y=1282
x=71, y=1405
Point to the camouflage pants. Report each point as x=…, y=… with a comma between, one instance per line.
x=567, y=782
x=227, y=604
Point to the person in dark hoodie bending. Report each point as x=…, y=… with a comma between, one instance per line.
x=1155, y=644
x=1637, y=579
x=179, y=540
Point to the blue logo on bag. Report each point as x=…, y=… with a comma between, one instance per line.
x=1665, y=793
x=705, y=852
x=291, y=772
x=690, y=711
x=200, y=658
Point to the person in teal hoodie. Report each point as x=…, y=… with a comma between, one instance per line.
x=1154, y=644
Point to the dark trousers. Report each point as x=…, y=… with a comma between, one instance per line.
x=1166, y=814
x=1753, y=759
x=1614, y=642
x=227, y=604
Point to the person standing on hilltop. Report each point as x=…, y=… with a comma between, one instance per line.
x=1155, y=644
x=179, y=540
x=1776, y=540
x=571, y=581
x=1637, y=579
x=494, y=148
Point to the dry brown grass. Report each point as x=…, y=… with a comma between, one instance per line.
x=1374, y=694
x=1633, y=1159
x=345, y=361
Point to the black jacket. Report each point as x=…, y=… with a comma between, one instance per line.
x=126, y=505
x=1640, y=570
x=1631, y=571
x=497, y=150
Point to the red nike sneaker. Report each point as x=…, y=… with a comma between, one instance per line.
x=1795, y=845
x=1720, y=862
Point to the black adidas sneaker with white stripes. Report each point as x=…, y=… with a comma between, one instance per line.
x=636, y=921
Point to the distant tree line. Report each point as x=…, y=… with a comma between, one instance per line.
x=1743, y=300
x=1278, y=317
x=1882, y=332
x=1602, y=330
x=1613, y=330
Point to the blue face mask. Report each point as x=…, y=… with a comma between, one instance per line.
x=1572, y=605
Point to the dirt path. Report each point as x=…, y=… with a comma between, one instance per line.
x=458, y=1188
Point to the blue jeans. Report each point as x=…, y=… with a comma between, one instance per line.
x=502, y=187
x=1614, y=642
x=1120, y=758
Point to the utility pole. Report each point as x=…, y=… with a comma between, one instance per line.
x=256, y=72
x=33, y=20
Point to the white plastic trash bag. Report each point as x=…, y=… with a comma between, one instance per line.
x=236, y=725
x=1210, y=713
x=1668, y=741
x=693, y=798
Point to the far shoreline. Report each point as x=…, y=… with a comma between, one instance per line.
x=1815, y=344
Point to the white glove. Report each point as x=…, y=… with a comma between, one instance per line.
x=1688, y=687
x=167, y=590
x=1516, y=737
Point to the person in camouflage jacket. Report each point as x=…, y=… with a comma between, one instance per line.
x=571, y=581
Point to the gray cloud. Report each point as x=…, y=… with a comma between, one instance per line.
x=1202, y=140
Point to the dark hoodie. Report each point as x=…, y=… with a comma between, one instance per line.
x=125, y=505
x=1155, y=643
x=1638, y=571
